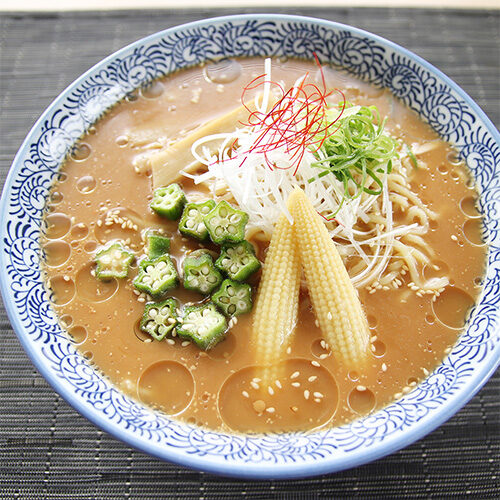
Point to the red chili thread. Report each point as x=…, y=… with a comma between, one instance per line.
x=296, y=122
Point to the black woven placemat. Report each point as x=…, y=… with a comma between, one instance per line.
x=47, y=450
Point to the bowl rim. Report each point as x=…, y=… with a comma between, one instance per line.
x=209, y=464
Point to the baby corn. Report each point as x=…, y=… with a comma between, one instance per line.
x=276, y=309
x=335, y=301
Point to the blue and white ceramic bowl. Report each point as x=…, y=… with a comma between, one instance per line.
x=422, y=87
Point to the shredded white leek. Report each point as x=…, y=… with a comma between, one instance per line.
x=364, y=224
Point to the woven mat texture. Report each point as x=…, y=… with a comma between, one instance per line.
x=47, y=450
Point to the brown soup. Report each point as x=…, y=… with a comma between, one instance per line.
x=104, y=195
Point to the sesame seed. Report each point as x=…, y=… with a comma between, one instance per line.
x=185, y=343
x=288, y=350
x=306, y=394
x=315, y=363
x=294, y=375
x=278, y=384
x=295, y=384
x=294, y=409
x=312, y=378
x=384, y=367
x=255, y=385
x=171, y=341
x=323, y=356
x=318, y=394
x=329, y=315
x=270, y=410
x=361, y=388
x=426, y=372
x=256, y=380
x=270, y=390
x=245, y=394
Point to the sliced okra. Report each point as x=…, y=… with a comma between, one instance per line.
x=169, y=201
x=159, y=318
x=200, y=273
x=233, y=298
x=113, y=262
x=238, y=261
x=191, y=223
x=204, y=325
x=156, y=276
x=226, y=224
x=157, y=244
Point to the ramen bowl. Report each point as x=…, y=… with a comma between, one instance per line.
x=437, y=99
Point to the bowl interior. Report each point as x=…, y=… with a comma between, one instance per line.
x=423, y=88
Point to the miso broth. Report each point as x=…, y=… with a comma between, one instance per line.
x=104, y=195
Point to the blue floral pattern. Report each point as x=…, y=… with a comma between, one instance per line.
x=441, y=103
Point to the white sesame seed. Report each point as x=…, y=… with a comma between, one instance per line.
x=255, y=385
x=306, y=394
x=294, y=375
x=295, y=384
x=278, y=384
x=245, y=394
x=361, y=388
x=288, y=350
x=270, y=390
x=185, y=343
x=318, y=395
x=171, y=341
x=384, y=367
x=270, y=410
x=323, y=356
x=315, y=363
x=329, y=315
x=312, y=378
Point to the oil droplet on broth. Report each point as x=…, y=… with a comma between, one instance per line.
x=320, y=349
x=468, y=206
x=152, y=90
x=90, y=288
x=224, y=349
x=86, y=184
x=224, y=71
x=378, y=348
x=80, y=152
x=78, y=334
x=56, y=197
x=153, y=388
x=473, y=229
x=56, y=253
x=66, y=320
x=452, y=306
x=361, y=401
x=435, y=270
x=302, y=396
x=142, y=336
x=90, y=246
x=58, y=225
x=63, y=289
x=79, y=231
